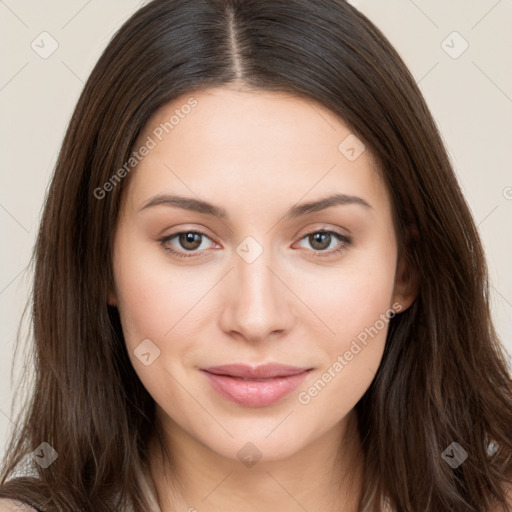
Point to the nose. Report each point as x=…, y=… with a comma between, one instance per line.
x=256, y=300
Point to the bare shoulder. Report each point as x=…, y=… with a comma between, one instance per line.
x=508, y=494
x=14, y=506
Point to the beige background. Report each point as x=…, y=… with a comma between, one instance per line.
x=470, y=97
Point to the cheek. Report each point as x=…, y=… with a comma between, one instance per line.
x=352, y=297
x=153, y=295
x=354, y=305
x=156, y=302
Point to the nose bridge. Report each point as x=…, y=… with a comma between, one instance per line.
x=256, y=301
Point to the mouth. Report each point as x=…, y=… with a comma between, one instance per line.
x=255, y=386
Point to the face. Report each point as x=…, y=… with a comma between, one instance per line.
x=257, y=277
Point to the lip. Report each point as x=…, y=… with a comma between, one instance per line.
x=255, y=386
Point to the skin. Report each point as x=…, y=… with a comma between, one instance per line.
x=256, y=154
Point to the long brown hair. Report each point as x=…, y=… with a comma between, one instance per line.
x=443, y=376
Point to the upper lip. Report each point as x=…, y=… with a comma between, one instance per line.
x=264, y=371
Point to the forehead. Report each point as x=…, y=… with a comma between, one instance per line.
x=258, y=145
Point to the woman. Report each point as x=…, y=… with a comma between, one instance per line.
x=257, y=282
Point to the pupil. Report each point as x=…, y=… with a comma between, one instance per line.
x=190, y=238
x=319, y=237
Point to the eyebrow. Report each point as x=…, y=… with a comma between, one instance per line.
x=298, y=210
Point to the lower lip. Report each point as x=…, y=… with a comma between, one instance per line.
x=255, y=393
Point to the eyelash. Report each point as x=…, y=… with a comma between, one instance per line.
x=344, y=243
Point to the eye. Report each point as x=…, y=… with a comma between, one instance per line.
x=190, y=241
x=320, y=241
